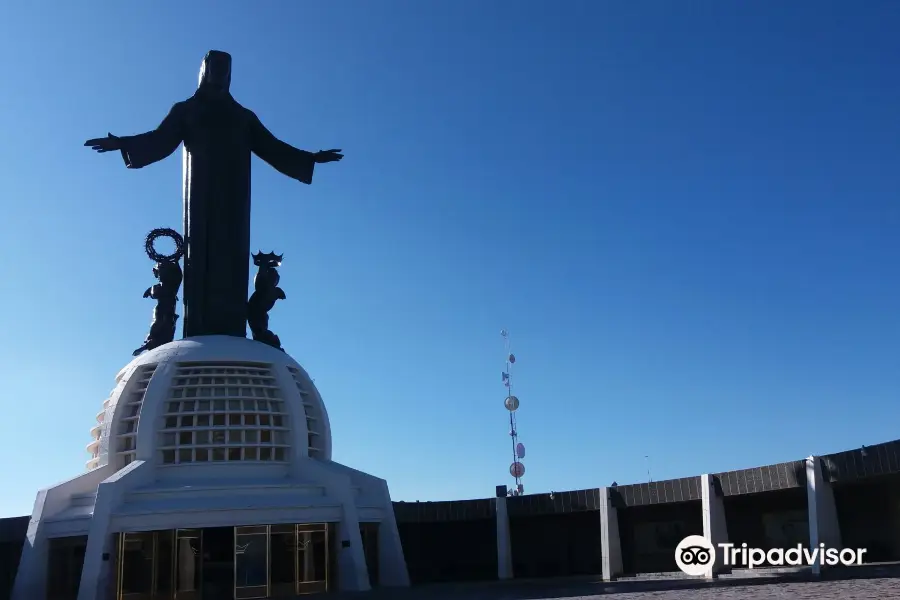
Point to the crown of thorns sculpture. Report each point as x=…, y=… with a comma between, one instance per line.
x=163, y=258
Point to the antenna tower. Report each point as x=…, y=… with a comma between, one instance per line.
x=516, y=469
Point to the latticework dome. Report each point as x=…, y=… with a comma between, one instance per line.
x=211, y=399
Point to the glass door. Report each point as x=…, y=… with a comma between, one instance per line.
x=188, y=563
x=144, y=562
x=312, y=558
x=251, y=562
x=164, y=564
x=282, y=561
x=137, y=567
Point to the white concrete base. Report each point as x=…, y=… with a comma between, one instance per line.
x=101, y=503
x=611, y=546
x=715, y=528
x=134, y=482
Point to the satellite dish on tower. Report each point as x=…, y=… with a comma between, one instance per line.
x=517, y=469
x=511, y=403
x=520, y=450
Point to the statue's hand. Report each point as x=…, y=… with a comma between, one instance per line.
x=147, y=293
x=327, y=156
x=110, y=142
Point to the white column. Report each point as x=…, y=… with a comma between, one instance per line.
x=31, y=576
x=824, y=528
x=97, y=572
x=611, y=546
x=715, y=527
x=392, y=571
x=353, y=573
x=504, y=545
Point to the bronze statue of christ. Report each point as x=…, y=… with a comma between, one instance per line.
x=218, y=136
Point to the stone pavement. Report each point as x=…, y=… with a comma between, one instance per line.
x=868, y=582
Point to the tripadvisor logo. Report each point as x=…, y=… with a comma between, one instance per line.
x=695, y=555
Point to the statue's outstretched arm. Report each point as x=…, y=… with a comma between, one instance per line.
x=296, y=164
x=147, y=148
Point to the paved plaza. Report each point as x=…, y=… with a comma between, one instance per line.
x=874, y=589
x=870, y=582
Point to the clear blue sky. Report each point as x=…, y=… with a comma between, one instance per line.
x=685, y=213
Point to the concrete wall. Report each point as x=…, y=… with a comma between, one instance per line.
x=449, y=541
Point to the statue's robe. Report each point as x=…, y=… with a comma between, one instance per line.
x=218, y=134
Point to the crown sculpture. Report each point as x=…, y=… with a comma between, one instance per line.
x=266, y=293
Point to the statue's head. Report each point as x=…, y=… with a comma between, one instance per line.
x=215, y=72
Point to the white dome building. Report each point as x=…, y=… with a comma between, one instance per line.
x=213, y=451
